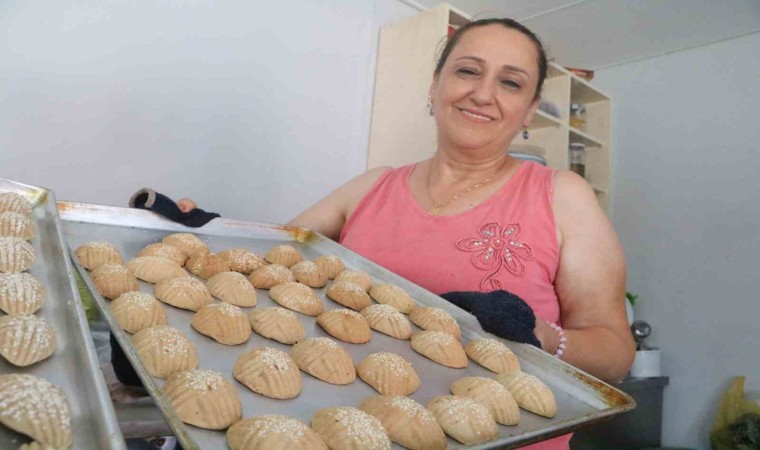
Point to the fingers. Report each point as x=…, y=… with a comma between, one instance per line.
x=186, y=204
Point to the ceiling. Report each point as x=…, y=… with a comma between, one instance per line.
x=595, y=34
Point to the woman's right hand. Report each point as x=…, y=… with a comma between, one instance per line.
x=186, y=204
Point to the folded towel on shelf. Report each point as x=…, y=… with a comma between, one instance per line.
x=549, y=108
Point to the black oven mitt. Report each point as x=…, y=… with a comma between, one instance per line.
x=499, y=312
x=159, y=203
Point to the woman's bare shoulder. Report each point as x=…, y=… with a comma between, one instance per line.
x=575, y=205
x=351, y=193
x=365, y=181
x=569, y=186
x=329, y=214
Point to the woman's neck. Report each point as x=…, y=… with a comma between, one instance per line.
x=449, y=168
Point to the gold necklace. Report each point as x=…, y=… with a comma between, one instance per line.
x=437, y=207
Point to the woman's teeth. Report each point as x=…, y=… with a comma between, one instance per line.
x=477, y=116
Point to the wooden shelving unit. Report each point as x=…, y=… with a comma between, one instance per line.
x=402, y=132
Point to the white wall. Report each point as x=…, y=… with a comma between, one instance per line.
x=254, y=108
x=686, y=187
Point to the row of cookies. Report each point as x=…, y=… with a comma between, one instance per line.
x=21, y=294
x=112, y=279
x=151, y=265
x=29, y=404
x=470, y=416
x=390, y=374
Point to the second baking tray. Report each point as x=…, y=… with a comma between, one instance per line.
x=581, y=399
x=73, y=367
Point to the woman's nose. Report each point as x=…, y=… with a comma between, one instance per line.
x=483, y=92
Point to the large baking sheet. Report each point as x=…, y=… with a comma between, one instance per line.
x=581, y=398
x=74, y=366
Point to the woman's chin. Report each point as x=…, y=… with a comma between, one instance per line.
x=467, y=143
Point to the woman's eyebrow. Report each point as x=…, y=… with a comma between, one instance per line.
x=505, y=67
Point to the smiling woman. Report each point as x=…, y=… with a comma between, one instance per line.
x=474, y=219
x=483, y=94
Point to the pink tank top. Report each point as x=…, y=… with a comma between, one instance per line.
x=507, y=242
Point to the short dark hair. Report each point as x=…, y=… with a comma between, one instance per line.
x=507, y=23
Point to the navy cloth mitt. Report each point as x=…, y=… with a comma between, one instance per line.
x=499, y=312
x=159, y=203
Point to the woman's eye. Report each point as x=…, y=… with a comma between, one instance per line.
x=511, y=84
x=467, y=71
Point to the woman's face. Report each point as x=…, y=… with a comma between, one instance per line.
x=483, y=95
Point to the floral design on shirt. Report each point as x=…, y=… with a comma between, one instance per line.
x=497, y=248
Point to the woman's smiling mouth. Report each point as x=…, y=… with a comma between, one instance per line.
x=474, y=115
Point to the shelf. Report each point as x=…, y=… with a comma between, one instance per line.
x=577, y=135
x=544, y=120
x=582, y=92
x=554, y=70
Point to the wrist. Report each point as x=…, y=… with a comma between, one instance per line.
x=546, y=336
x=561, y=339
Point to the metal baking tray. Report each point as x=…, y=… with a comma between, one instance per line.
x=581, y=399
x=74, y=366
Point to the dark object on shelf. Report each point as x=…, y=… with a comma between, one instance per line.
x=586, y=74
x=550, y=108
x=640, y=330
x=634, y=430
x=578, y=116
x=527, y=157
x=158, y=203
x=578, y=158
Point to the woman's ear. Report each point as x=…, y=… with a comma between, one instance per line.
x=531, y=112
x=433, y=86
x=431, y=90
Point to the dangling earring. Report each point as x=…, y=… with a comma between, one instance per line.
x=525, y=133
x=431, y=111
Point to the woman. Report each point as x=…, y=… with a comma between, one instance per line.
x=485, y=89
x=472, y=218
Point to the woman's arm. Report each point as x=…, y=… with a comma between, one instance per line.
x=329, y=214
x=590, y=284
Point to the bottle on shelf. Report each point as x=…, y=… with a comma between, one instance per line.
x=578, y=158
x=578, y=116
